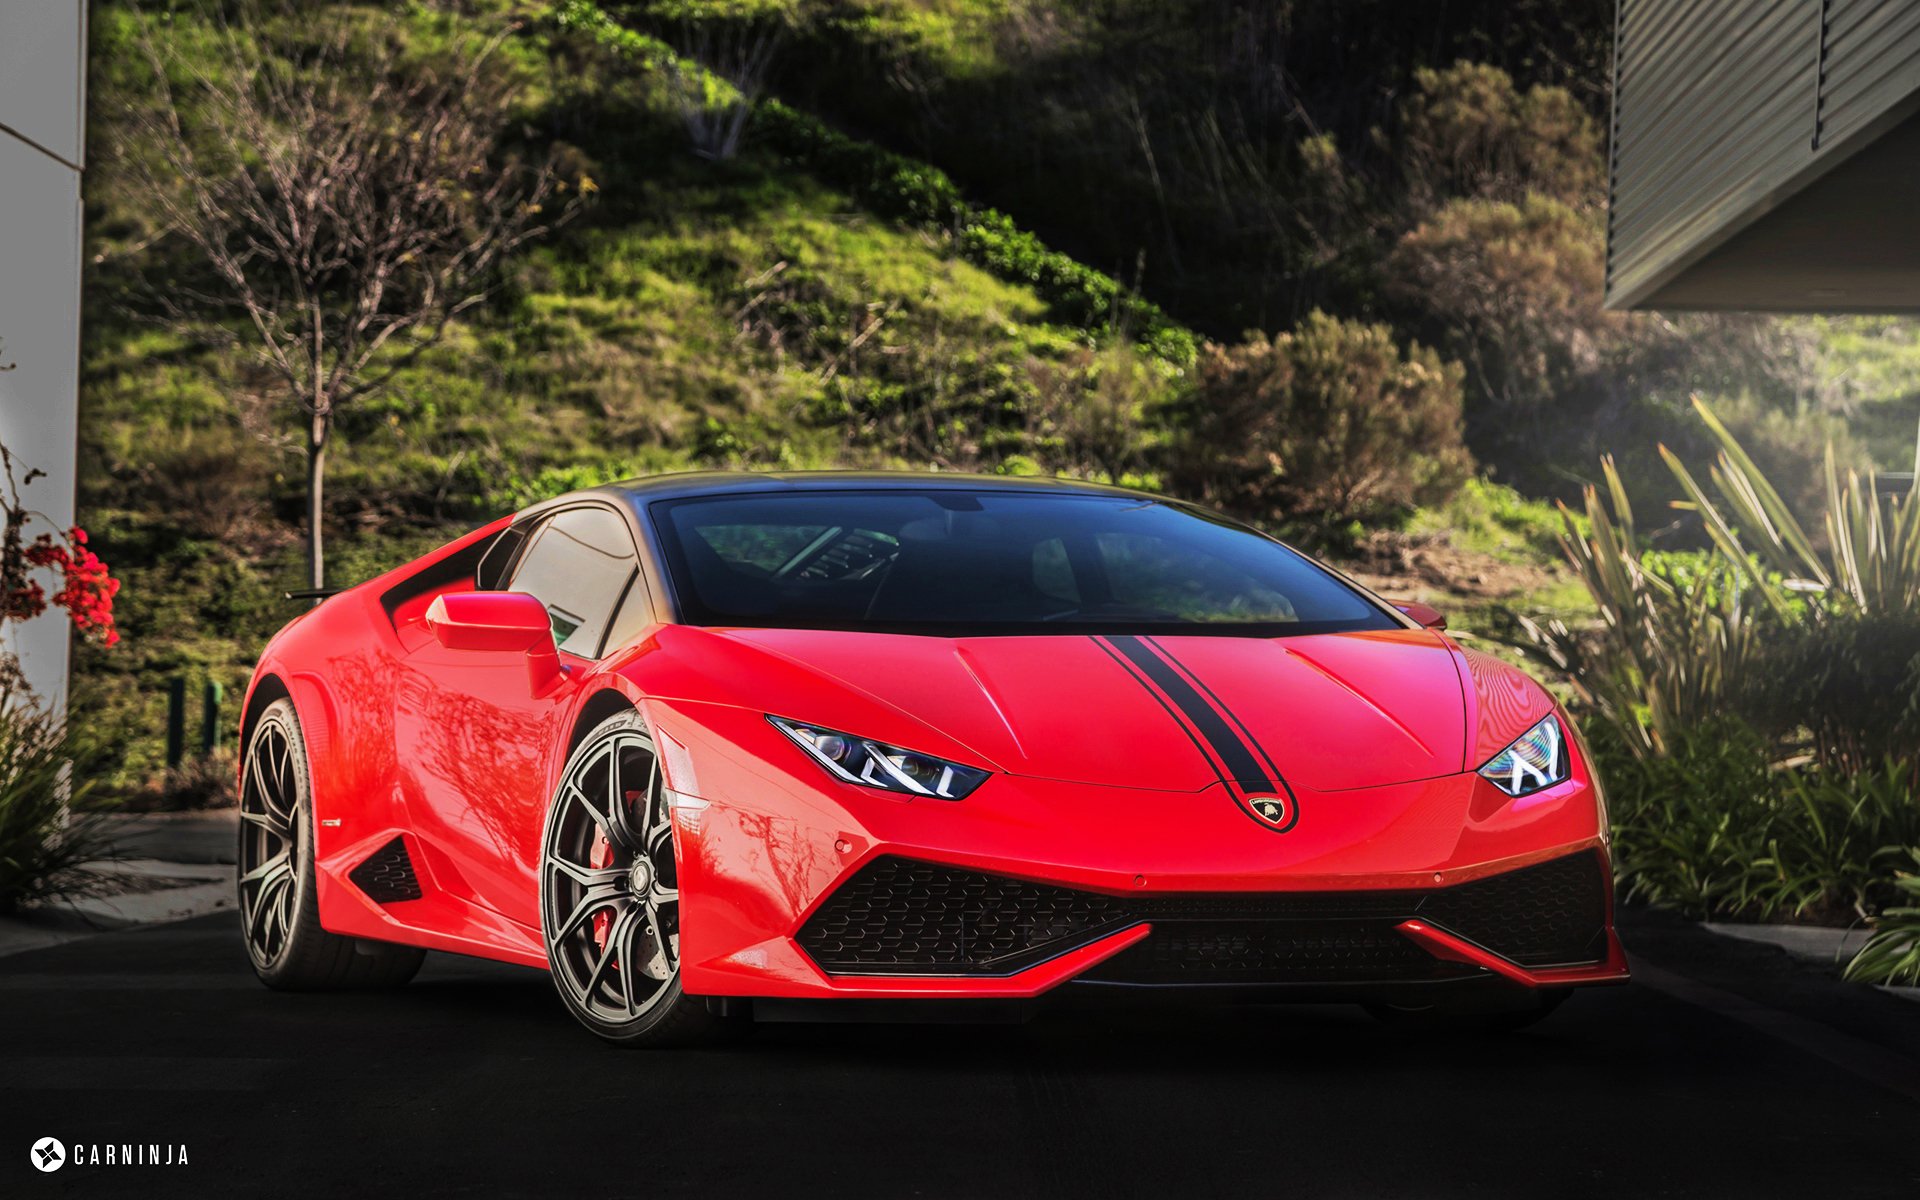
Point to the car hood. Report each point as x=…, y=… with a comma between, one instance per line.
x=1326, y=712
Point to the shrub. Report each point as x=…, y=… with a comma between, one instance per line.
x=1674, y=637
x=1517, y=284
x=1870, y=561
x=1834, y=841
x=1687, y=824
x=1330, y=421
x=1711, y=673
x=1813, y=642
x=1468, y=131
x=44, y=846
x=1712, y=829
x=1892, y=954
x=1848, y=683
x=198, y=783
x=1100, y=413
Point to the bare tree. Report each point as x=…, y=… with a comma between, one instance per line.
x=348, y=203
x=719, y=78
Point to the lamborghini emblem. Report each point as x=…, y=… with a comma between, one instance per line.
x=1271, y=809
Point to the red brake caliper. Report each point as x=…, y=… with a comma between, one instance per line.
x=600, y=855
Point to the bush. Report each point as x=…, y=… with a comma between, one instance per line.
x=1517, y=284
x=44, y=846
x=1819, y=644
x=1329, y=422
x=1685, y=822
x=199, y=783
x=1849, y=684
x=1468, y=131
x=1711, y=829
x=1892, y=954
x=1675, y=635
x=1759, y=703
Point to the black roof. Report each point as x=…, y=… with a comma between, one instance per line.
x=713, y=483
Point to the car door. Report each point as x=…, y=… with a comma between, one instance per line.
x=481, y=737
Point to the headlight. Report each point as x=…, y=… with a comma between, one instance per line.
x=876, y=764
x=1536, y=759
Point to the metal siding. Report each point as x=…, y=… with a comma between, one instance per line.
x=1714, y=103
x=1723, y=107
x=1873, y=62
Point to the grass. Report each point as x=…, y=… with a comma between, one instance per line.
x=748, y=313
x=1491, y=518
x=1873, y=366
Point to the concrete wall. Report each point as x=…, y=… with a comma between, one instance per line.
x=42, y=110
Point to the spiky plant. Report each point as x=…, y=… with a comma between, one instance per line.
x=1870, y=565
x=45, y=843
x=1667, y=649
x=1892, y=954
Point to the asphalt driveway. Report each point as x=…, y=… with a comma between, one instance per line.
x=1733, y=1072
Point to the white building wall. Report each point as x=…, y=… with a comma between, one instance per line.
x=42, y=107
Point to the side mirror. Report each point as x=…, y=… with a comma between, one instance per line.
x=501, y=621
x=1426, y=615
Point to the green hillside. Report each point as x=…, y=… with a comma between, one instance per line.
x=747, y=313
x=989, y=236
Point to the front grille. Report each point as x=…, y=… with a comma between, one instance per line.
x=387, y=875
x=902, y=917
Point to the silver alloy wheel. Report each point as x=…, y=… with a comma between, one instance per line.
x=269, y=875
x=611, y=904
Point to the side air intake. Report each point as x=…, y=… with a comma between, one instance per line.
x=387, y=876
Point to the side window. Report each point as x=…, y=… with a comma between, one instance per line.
x=490, y=575
x=635, y=614
x=579, y=563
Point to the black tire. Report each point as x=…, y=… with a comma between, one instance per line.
x=279, y=912
x=1484, y=1014
x=600, y=905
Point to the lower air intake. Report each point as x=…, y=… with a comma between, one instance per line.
x=387, y=875
x=897, y=916
x=1547, y=915
x=901, y=917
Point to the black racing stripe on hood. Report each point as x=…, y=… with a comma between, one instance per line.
x=1273, y=768
x=1242, y=765
x=1147, y=687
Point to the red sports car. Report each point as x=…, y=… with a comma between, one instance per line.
x=710, y=746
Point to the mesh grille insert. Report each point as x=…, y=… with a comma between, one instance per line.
x=1548, y=914
x=898, y=916
x=387, y=875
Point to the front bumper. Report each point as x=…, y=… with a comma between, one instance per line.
x=901, y=928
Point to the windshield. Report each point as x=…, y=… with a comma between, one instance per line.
x=956, y=562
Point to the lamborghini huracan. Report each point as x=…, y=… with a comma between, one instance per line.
x=714, y=747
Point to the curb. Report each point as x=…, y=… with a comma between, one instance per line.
x=1809, y=943
x=157, y=893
